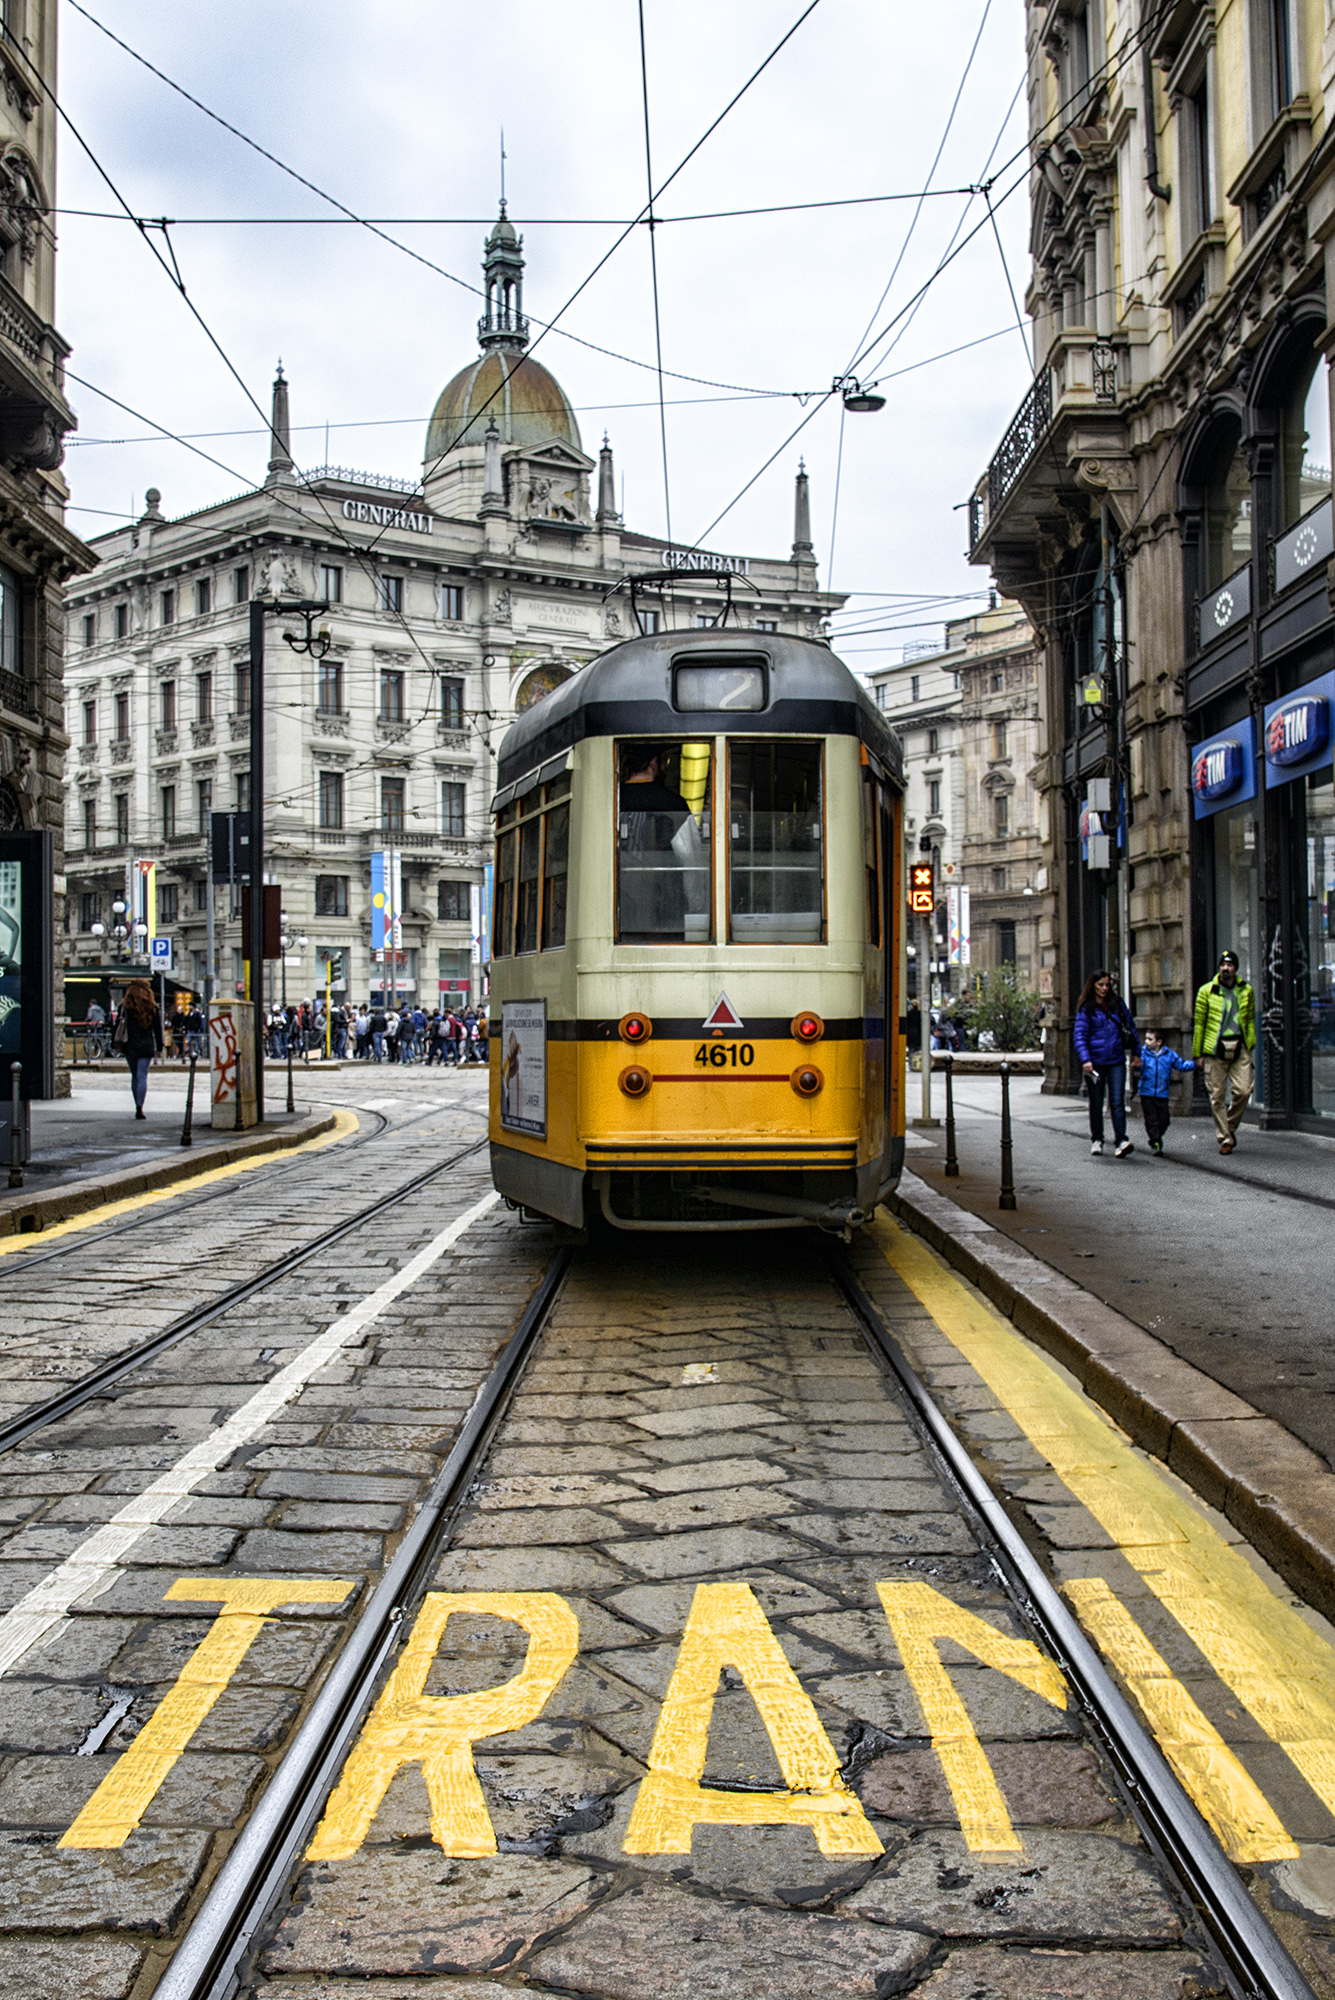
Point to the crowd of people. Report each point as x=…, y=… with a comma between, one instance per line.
x=378, y=1034
x=451, y=1037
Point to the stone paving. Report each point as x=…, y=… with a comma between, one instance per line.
x=727, y=1426
x=739, y=1708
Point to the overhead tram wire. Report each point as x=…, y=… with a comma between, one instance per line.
x=653, y=267
x=580, y=409
x=520, y=221
x=680, y=167
x=350, y=216
x=360, y=553
x=825, y=397
x=894, y=273
x=982, y=186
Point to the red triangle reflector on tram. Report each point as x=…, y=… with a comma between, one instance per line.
x=722, y=1014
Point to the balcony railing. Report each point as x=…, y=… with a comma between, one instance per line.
x=1028, y=428
x=16, y=694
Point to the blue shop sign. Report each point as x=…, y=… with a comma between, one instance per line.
x=1297, y=732
x=1223, y=771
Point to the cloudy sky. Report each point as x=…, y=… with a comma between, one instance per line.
x=394, y=108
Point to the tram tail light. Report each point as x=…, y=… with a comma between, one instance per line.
x=807, y=1080
x=806, y=1027
x=635, y=1081
x=635, y=1028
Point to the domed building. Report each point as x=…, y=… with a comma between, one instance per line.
x=455, y=602
x=503, y=430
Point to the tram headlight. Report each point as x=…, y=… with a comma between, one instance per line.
x=807, y=1027
x=635, y=1028
x=635, y=1081
x=807, y=1080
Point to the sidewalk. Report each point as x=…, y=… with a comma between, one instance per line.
x=1190, y=1295
x=88, y=1148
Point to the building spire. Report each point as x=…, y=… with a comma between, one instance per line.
x=493, y=478
x=804, y=549
x=280, y=428
x=607, y=486
x=503, y=324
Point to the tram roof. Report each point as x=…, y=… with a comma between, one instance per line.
x=627, y=691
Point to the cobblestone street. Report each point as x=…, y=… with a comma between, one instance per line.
x=717, y=1687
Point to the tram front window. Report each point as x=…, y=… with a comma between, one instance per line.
x=775, y=816
x=663, y=843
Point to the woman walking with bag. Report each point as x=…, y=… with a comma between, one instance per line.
x=1105, y=1035
x=139, y=1035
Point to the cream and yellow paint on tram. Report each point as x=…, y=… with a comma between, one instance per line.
x=1276, y=1664
x=344, y=1125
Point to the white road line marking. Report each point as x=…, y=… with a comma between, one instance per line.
x=95, y=1563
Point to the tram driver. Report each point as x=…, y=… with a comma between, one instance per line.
x=664, y=864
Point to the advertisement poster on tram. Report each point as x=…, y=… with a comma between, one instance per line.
x=524, y=1067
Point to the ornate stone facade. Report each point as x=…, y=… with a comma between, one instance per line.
x=453, y=604
x=1141, y=504
x=37, y=552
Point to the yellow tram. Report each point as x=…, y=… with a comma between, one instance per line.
x=697, y=949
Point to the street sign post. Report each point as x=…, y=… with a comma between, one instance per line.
x=160, y=954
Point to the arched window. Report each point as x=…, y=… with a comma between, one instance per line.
x=1305, y=444
x=1228, y=507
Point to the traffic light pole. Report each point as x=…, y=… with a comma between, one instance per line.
x=925, y=1011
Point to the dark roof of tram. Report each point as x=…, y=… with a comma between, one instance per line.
x=628, y=692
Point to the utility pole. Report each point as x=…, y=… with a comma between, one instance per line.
x=317, y=646
x=259, y=608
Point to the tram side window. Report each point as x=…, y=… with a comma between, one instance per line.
x=506, y=845
x=776, y=873
x=664, y=841
x=556, y=864
x=870, y=853
x=532, y=867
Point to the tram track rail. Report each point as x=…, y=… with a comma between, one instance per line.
x=40, y=1416
x=217, y=1952
x=206, y=1963
x=184, y=1203
x=1171, y=1823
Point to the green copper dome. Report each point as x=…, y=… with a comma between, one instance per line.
x=528, y=404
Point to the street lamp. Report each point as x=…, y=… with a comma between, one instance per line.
x=119, y=930
x=862, y=402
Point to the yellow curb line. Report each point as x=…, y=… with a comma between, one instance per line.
x=345, y=1124
x=1278, y=1666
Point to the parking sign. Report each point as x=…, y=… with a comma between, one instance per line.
x=160, y=954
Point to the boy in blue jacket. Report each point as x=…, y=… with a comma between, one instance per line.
x=1157, y=1064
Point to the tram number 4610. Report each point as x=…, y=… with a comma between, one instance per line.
x=725, y=1055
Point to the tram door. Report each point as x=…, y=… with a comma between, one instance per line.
x=891, y=917
x=878, y=983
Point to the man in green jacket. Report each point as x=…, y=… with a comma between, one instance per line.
x=1223, y=1039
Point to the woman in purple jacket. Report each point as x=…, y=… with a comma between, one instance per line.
x=1105, y=1035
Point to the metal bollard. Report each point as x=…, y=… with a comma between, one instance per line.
x=1007, y=1199
x=291, y=1104
x=952, y=1161
x=15, y=1129
x=187, y=1130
